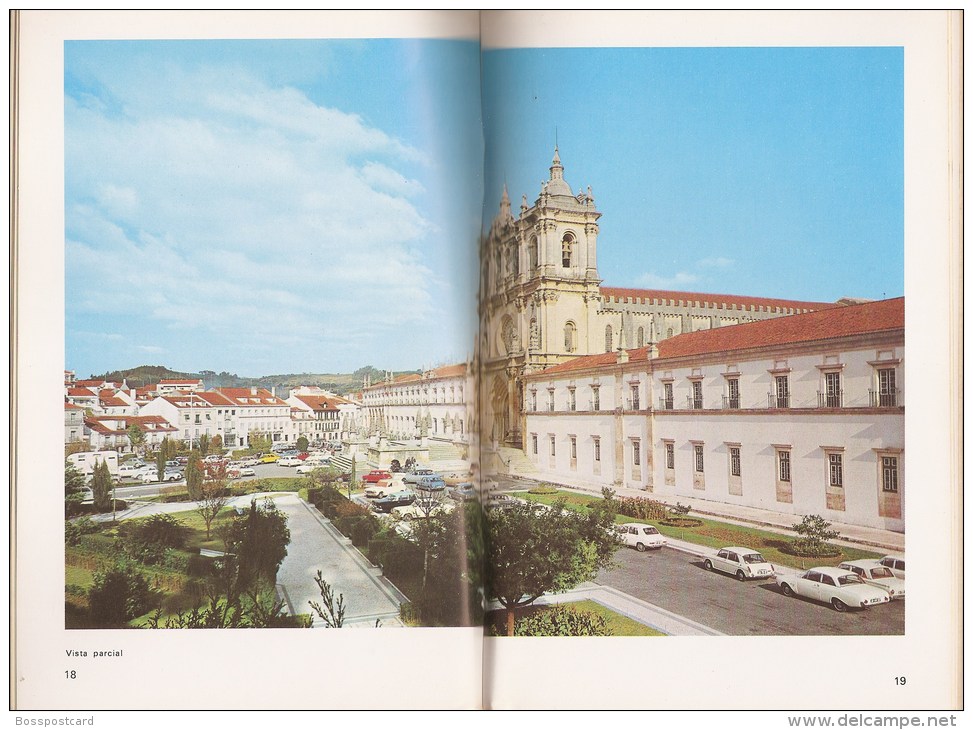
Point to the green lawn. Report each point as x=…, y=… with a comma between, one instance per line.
x=620, y=625
x=715, y=534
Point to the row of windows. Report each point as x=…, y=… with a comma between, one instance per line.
x=832, y=396
x=890, y=464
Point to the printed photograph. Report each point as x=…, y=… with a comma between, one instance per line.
x=559, y=342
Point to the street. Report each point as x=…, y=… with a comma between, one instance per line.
x=678, y=582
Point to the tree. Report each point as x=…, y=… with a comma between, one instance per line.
x=302, y=443
x=160, y=464
x=203, y=443
x=214, y=496
x=118, y=595
x=194, y=475
x=101, y=486
x=532, y=550
x=814, y=535
x=259, y=442
x=258, y=543
x=136, y=436
x=216, y=444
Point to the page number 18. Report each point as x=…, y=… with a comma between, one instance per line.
x=900, y=681
x=70, y=674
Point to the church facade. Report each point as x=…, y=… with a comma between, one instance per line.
x=542, y=302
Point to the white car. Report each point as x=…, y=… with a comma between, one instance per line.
x=153, y=476
x=740, y=561
x=876, y=574
x=841, y=588
x=641, y=537
x=418, y=510
x=895, y=563
x=289, y=461
x=307, y=468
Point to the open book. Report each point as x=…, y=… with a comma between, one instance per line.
x=625, y=296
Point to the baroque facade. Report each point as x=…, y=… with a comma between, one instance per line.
x=542, y=302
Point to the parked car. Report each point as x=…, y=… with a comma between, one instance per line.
x=874, y=573
x=173, y=463
x=740, y=561
x=422, y=508
x=240, y=471
x=289, y=461
x=433, y=483
x=130, y=470
x=170, y=475
x=417, y=473
x=307, y=467
x=895, y=563
x=214, y=459
x=463, y=492
x=840, y=588
x=269, y=458
x=499, y=501
x=393, y=500
x=641, y=537
x=249, y=461
x=183, y=460
x=376, y=475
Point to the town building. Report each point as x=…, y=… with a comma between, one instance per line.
x=801, y=414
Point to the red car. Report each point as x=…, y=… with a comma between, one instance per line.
x=303, y=455
x=376, y=475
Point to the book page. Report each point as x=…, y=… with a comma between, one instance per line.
x=660, y=174
x=247, y=194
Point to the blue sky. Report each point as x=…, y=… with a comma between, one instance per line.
x=762, y=171
x=312, y=206
x=271, y=206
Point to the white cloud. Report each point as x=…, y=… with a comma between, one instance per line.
x=675, y=281
x=242, y=219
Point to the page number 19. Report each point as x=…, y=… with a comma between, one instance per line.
x=900, y=681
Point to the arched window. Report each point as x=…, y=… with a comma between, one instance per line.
x=608, y=338
x=567, y=250
x=532, y=254
x=669, y=332
x=570, y=337
x=641, y=337
x=515, y=260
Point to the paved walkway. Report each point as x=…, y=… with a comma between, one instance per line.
x=317, y=545
x=851, y=535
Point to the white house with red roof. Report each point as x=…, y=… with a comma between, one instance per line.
x=801, y=414
x=111, y=431
x=254, y=411
x=73, y=423
x=193, y=415
x=168, y=387
x=321, y=417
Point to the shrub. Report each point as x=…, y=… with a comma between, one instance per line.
x=814, y=533
x=119, y=595
x=641, y=508
x=74, y=531
x=562, y=621
x=175, y=497
x=163, y=530
x=543, y=489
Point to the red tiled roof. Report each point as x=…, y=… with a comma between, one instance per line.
x=449, y=371
x=187, y=381
x=89, y=383
x=243, y=396
x=72, y=406
x=80, y=392
x=887, y=315
x=718, y=301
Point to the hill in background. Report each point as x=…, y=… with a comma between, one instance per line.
x=341, y=383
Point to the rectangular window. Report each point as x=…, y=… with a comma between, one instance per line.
x=636, y=453
x=697, y=394
x=733, y=392
x=886, y=387
x=667, y=397
x=784, y=465
x=832, y=390
x=670, y=456
x=597, y=448
x=635, y=397
x=553, y=450
x=533, y=443
x=574, y=447
x=782, y=392
x=571, y=399
x=890, y=474
x=595, y=398
x=834, y=470
x=698, y=452
x=734, y=461
x=550, y=400
x=533, y=400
